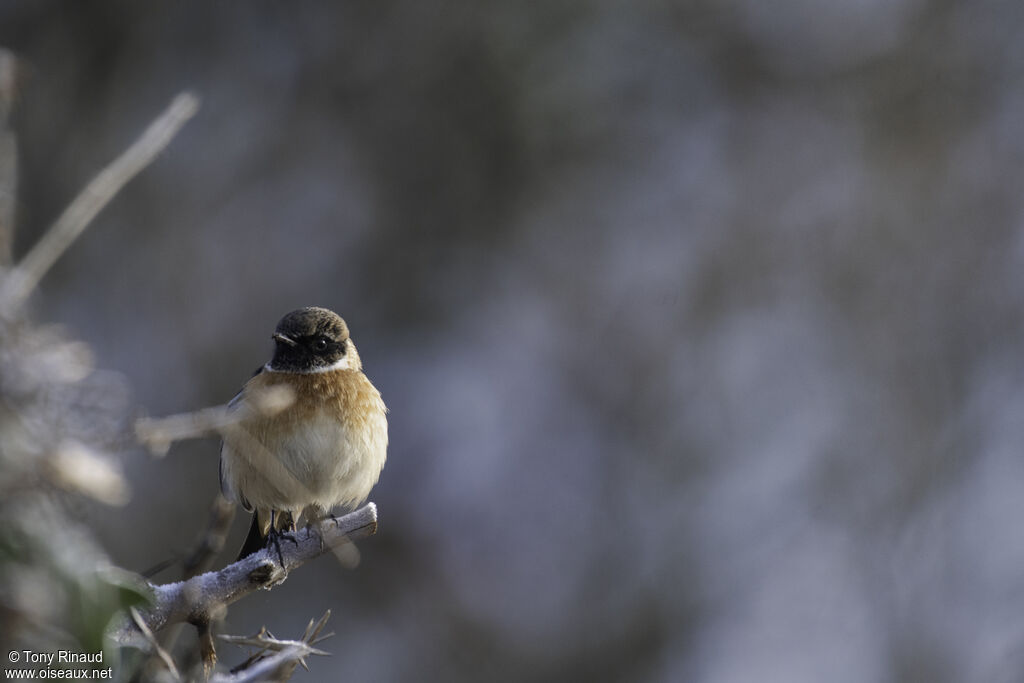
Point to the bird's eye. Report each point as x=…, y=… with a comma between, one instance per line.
x=320, y=344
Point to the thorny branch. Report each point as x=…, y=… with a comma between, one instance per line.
x=265, y=642
x=203, y=598
x=277, y=667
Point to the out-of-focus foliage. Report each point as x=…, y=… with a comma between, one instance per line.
x=59, y=421
x=700, y=323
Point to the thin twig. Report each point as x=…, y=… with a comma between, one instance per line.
x=222, y=513
x=100, y=190
x=312, y=635
x=207, y=649
x=200, y=560
x=9, y=69
x=151, y=639
x=266, y=642
x=158, y=433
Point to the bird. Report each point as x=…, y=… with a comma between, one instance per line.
x=325, y=448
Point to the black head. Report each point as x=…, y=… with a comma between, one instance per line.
x=310, y=340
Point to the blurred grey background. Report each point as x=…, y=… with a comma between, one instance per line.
x=700, y=323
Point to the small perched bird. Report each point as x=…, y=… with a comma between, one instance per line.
x=325, y=448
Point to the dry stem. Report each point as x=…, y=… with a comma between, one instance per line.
x=100, y=190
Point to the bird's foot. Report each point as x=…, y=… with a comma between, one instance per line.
x=274, y=538
x=313, y=526
x=313, y=529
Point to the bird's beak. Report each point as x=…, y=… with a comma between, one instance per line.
x=283, y=339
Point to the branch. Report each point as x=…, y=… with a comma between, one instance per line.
x=276, y=667
x=207, y=650
x=26, y=275
x=265, y=642
x=202, y=598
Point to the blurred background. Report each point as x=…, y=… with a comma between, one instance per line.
x=700, y=323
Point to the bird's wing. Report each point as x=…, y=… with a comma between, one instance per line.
x=225, y=486
x=233, y=403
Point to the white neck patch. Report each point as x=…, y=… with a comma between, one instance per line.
x=343, y=363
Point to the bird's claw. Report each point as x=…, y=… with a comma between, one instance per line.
x=274, y=538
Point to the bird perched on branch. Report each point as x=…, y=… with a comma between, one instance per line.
x=324, y=445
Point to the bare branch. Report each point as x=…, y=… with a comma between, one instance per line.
x=76, y=217
x=158, y=433
x=204, y=597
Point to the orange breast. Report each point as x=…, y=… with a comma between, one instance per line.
x=346, y=395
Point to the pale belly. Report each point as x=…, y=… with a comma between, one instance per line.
x=282, y=467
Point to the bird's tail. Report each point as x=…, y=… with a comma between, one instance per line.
x=254, y=540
